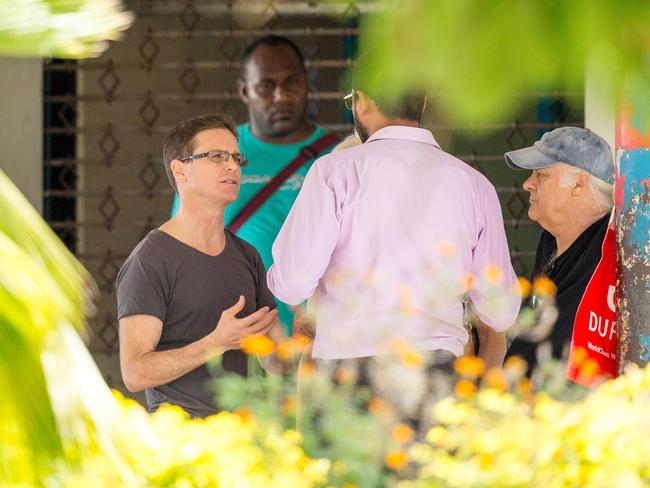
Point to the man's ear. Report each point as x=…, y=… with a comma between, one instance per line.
x=178, y=171
x=242, y=90
x=364, y=103
x=581, y=183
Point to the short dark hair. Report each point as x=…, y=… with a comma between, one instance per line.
x=178, y=143
x=271, y=41
x=407, y=106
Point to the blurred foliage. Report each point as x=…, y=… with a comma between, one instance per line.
x=41, y=290
x=475, y=56
x=494, y=439
x=60, y=28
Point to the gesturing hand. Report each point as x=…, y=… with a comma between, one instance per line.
x=230, y=330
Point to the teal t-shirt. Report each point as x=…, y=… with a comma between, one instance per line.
x=265, y=160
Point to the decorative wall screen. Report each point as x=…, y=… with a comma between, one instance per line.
x=106, y=117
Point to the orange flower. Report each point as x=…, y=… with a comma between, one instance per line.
x=544, y=287
x=465, y=389
x=378, y=407
x=307, y=369
x=493, y=274
x=494, y=378
x=579, y=355
x=245, y=414
x=260, y=345
x=402, y=433
x=471, y=366
x=406, y=301
x=302, y=342
x=466, y=281
x=345, y=376
x=445, y=249
x=526, y=287
x=289, y=405
x=396, y=459
x=516, y=366
x=525, y=387
x=589, y=369
x=287, y=349
x=398, y=345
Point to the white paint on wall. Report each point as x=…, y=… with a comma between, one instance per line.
x=21, y=125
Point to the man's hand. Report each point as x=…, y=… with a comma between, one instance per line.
x=230, y=330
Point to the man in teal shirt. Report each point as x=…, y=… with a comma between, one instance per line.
x=274, y=85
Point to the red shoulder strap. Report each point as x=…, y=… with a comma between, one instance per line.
x=307, y=153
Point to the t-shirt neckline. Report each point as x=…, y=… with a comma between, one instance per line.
x=187, y=246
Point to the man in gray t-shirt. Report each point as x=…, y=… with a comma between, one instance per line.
x=191, y=290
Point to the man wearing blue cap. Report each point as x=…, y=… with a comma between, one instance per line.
x=571, y=198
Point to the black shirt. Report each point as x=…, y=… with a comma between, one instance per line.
x=187, y=290
x=570, y=272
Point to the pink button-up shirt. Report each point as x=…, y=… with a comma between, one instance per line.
x=393, y=232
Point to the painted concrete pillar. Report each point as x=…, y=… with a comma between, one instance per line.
x=633, y=227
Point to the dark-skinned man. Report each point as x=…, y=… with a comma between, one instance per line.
x=273, y=84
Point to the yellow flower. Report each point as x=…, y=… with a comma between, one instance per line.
x=408, y=356
x=486, y=460
x=493, y=274
x=465, y=389
x=526, y=287
x=494, y=378
x=412, y=359
x=471, y=366
x=396, y=459
x=402, y=433
x=257, y=344
x=544, y=287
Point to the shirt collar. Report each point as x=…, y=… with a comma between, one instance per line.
x=405, y=132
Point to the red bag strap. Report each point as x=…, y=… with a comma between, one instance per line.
x=307, y=153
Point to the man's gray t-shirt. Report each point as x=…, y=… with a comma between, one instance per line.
x=187, y=290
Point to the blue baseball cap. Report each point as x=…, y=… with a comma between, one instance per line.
x=571, y=145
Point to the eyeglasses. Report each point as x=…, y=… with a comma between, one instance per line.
x=349, y=99
x=218, y=156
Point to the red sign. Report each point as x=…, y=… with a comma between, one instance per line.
x=593, y=346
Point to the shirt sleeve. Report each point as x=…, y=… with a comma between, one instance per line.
x=264, y=296
x=495, y=294
x=304, y=246
x=140, y=289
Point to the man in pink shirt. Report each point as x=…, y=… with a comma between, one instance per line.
x=393, y=233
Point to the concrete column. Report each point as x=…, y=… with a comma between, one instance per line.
x=21, y=125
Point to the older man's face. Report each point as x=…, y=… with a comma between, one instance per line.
x=549, y=200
